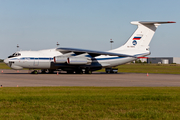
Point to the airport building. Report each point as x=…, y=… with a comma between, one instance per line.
x=143, y=59
x=160, y=60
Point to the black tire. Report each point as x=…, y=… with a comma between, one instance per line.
x=70, y=72
x=43, y=71
x=34, y=72
x=79, y=72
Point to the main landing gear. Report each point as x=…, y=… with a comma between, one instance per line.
x=111, y=70
x=43, y=71
x=52, y=71
x=79, y=71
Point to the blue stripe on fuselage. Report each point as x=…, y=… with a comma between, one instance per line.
x=36, y=58
x=31, y=58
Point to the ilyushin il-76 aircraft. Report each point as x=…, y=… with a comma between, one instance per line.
x=75, y=60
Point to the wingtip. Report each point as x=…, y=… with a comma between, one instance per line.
x=171, y=22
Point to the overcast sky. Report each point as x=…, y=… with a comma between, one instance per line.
x=86, y=24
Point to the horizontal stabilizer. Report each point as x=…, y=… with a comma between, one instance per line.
x=150, y=23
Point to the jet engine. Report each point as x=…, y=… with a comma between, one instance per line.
x=60, y=59
x=79, y=61
x=72, y=60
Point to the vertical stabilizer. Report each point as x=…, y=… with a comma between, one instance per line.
x=142, y=36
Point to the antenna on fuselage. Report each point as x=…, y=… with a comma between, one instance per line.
x=17, y=47
x=57, y=44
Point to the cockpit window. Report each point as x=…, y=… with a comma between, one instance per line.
x=14, y=55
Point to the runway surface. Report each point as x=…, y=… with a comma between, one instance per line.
x=12, y=78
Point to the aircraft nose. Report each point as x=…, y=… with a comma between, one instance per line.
x=6, y=61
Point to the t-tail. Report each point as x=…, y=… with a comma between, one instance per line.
x=142, y=36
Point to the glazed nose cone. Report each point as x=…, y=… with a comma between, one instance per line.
x=6, y=61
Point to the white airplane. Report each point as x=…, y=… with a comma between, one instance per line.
x=79, y=60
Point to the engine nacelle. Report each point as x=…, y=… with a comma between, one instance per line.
x=79, y=61
x=60, y=59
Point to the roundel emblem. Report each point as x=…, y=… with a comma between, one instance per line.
x=134, y=42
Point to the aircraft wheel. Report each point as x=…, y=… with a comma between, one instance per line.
x=50, y=71
x=34, y=72
x=70, y=72
x=88, y=72
x=43, y=71
x=79, y=72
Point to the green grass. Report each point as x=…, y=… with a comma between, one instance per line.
x=4, y=66
x=100, y=103
x=138, y=68
x=149, y=68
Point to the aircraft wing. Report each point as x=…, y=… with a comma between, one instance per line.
x=93, y=53
x=142, y=22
